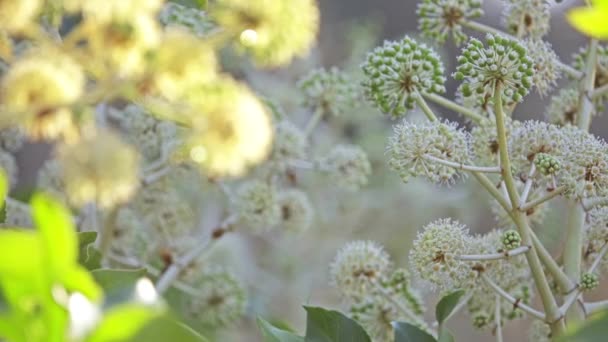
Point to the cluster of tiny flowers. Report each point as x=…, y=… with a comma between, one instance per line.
x=512, y=275
x=331, y=91
x=484, y=140
x=504, y=65
x=348, y=165
x=375, y=314
x=511, y=239
x=563, y=107
x=437, y=18
x=399, y=71
x=527, y=17
x=435, y=252
x=589, y=281
x=532, y=138
x=220, y=298
x=601, y=70
x=99, y=169
x=596, y=234
x=411, y=143
x=289, y=142
x=297, y=213
x=545, y=63
x=358, y=268
x=546, y=164
x=257, y=205
x=256, y=23
x=152, y=137
x=539, y=332
x=195, y=20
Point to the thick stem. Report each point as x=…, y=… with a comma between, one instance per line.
x=549, y=303
x=463, y=167
x=425, y=108
x=585, y=104
x=572, y=252
x=560, y=277
x=497, y=319
x=451, y=105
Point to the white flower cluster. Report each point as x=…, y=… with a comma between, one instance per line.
x=348, y=166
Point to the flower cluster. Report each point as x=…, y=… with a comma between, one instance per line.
x=601, y=70
x=545, y=64
x=438, y=18
x=399, y=71
x=412, y=144
x=348, y=166
x=504, y=65
x=331, y=91
x=257, y=205
x=527, y=17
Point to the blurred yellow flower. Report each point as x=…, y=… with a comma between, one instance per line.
x=181, y=62
x=15, y=15
x=272, y=31
x=110, y=10
x=232, y=132
x=591, y=20
x=36, y=92
x=100, y=168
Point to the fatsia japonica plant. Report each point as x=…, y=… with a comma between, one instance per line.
x=158, y=151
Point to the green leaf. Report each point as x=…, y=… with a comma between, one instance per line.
x=594, y=329
x=166, y=328
x=274, y=334
x=332, y=326
x=445, y=336
x=20, y=254
x=112, y=280
x=122, y=323
x=446, y=305
x=88, y=255
x=57, y=232
x=405, y=332
x=591, y=20
x=86, y=238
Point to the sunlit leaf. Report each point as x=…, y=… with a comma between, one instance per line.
x=330, y=326
x=20, y=254
x=122, y=323
x=166, y=328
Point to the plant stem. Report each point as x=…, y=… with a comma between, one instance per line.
x=314, y=121
x=556, y=192
x=516, y=302
x=563, y=281
x=473, y=25
x=585, y=104
x=497, y=319
x=440, y=100
x=106, y=233
x=527, y=186
x=458, y=166
x=595, y=202
x=425, y=108
x=603, y=90
x=487, y=184
x=494, y=256
x=549, y=304
x=572, y=252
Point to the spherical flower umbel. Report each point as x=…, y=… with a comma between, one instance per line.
x=272, y=32
x=545, y=63
x=397, y=72
x=289, y=142
x=411, y=145
x=532, y=138
x=348, y=165
x=546, y=164
x=257, y=205
x=100, y=168
x=437, y=18
x=511, y=239
x=563, y=107
x=220, y=298
x=358, y=268
x=527, y=17
x=589, y=281
x=331, y=91
x=503, y=64
x=433, y=256
x=484, y=140
x=296, y=210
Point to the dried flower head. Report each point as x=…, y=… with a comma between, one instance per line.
x=358, y=268
x=397, y=72
x=256, y=23
x=411, y=144
x=504, y=63
x=438, y=18
x=331, y=91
